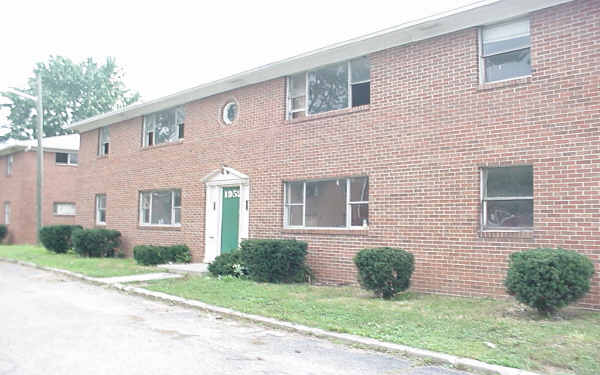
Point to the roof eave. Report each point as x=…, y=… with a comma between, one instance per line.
x=12, y=149
x=480, y=13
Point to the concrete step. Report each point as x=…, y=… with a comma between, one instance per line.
x=186, y=268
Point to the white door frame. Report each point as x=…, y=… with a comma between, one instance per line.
x=215, y=182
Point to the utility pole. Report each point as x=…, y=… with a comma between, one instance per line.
x=40, y=150
x=40, y=157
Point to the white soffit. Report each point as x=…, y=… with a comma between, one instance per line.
x=59, y=143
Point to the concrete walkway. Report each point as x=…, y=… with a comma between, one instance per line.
x=136, y=278
x=186, y=268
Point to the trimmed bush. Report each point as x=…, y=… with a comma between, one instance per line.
x=224, y=264
x=548, y=279
x=57, y=238
x=3, y=232
x=386, y=271
x=149, y=255
x=96, y=242
x=176, y=254
x=274, y=260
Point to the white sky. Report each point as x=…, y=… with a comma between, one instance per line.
x=167, y=46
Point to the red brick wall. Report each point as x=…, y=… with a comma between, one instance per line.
x=60, y=187
x=19, y=189
x=422, y=141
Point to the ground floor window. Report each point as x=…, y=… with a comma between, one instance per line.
x=332, y=203
x=101, y=209
x=68, y=158
x=64, y=209
x=507, y=197
x=6, y=213
x=160, y=207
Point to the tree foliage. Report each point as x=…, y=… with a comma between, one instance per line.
x=71, y=92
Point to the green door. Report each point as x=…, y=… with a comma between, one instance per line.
x=230, y=219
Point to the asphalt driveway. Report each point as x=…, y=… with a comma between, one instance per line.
x=55, y=325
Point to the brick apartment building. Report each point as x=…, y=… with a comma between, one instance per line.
x=461, y=138
x=18, y=185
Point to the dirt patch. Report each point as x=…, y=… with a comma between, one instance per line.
x=522, y=312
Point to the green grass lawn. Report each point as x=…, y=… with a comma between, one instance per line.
x=494, y=331
x=95, y=267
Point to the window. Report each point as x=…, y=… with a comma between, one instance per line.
x=9, y=164
x=163, y=127
x=507, y=197
x=505, y=51
x=161, y=207
x=101, y=209
x=64, y=209
x=339, y=203
x=230, y=112
x=6, y=213
x=69, y=158
x=332, y=87
x=103, y=141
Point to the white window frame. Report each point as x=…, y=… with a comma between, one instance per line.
x=7, y=213
x=178, y=126
x=55, y=206
x=10, y=159
x=173, y=208
x=103, y=140
x=349, y=204
x=98, y=209
x=484, y=199
x=69, y=158
x=482, y=58
x=289, y=99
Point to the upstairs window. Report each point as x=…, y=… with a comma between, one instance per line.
x=160, y=207
x=505, y=51
x=103, y=141
x=337, y=203
x=101, y=209
x=9, y=164
x=163, y=127
x=329, y=88
x=507, y=198
x=66, y=158
x=64, y=209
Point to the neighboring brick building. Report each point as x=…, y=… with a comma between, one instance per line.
x=460, y=138
x=18, y=185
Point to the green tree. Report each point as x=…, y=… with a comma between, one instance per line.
x=71, y=92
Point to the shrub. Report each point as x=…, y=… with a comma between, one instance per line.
x=385, y=271
x=225, y=264
x=176, y=254
x=148, y=255
x=548, y=279
x=274, y=260
x=57, y=238
x=3, y=232
x=96, y=242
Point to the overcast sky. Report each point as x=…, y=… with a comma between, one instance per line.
x=167, y=46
